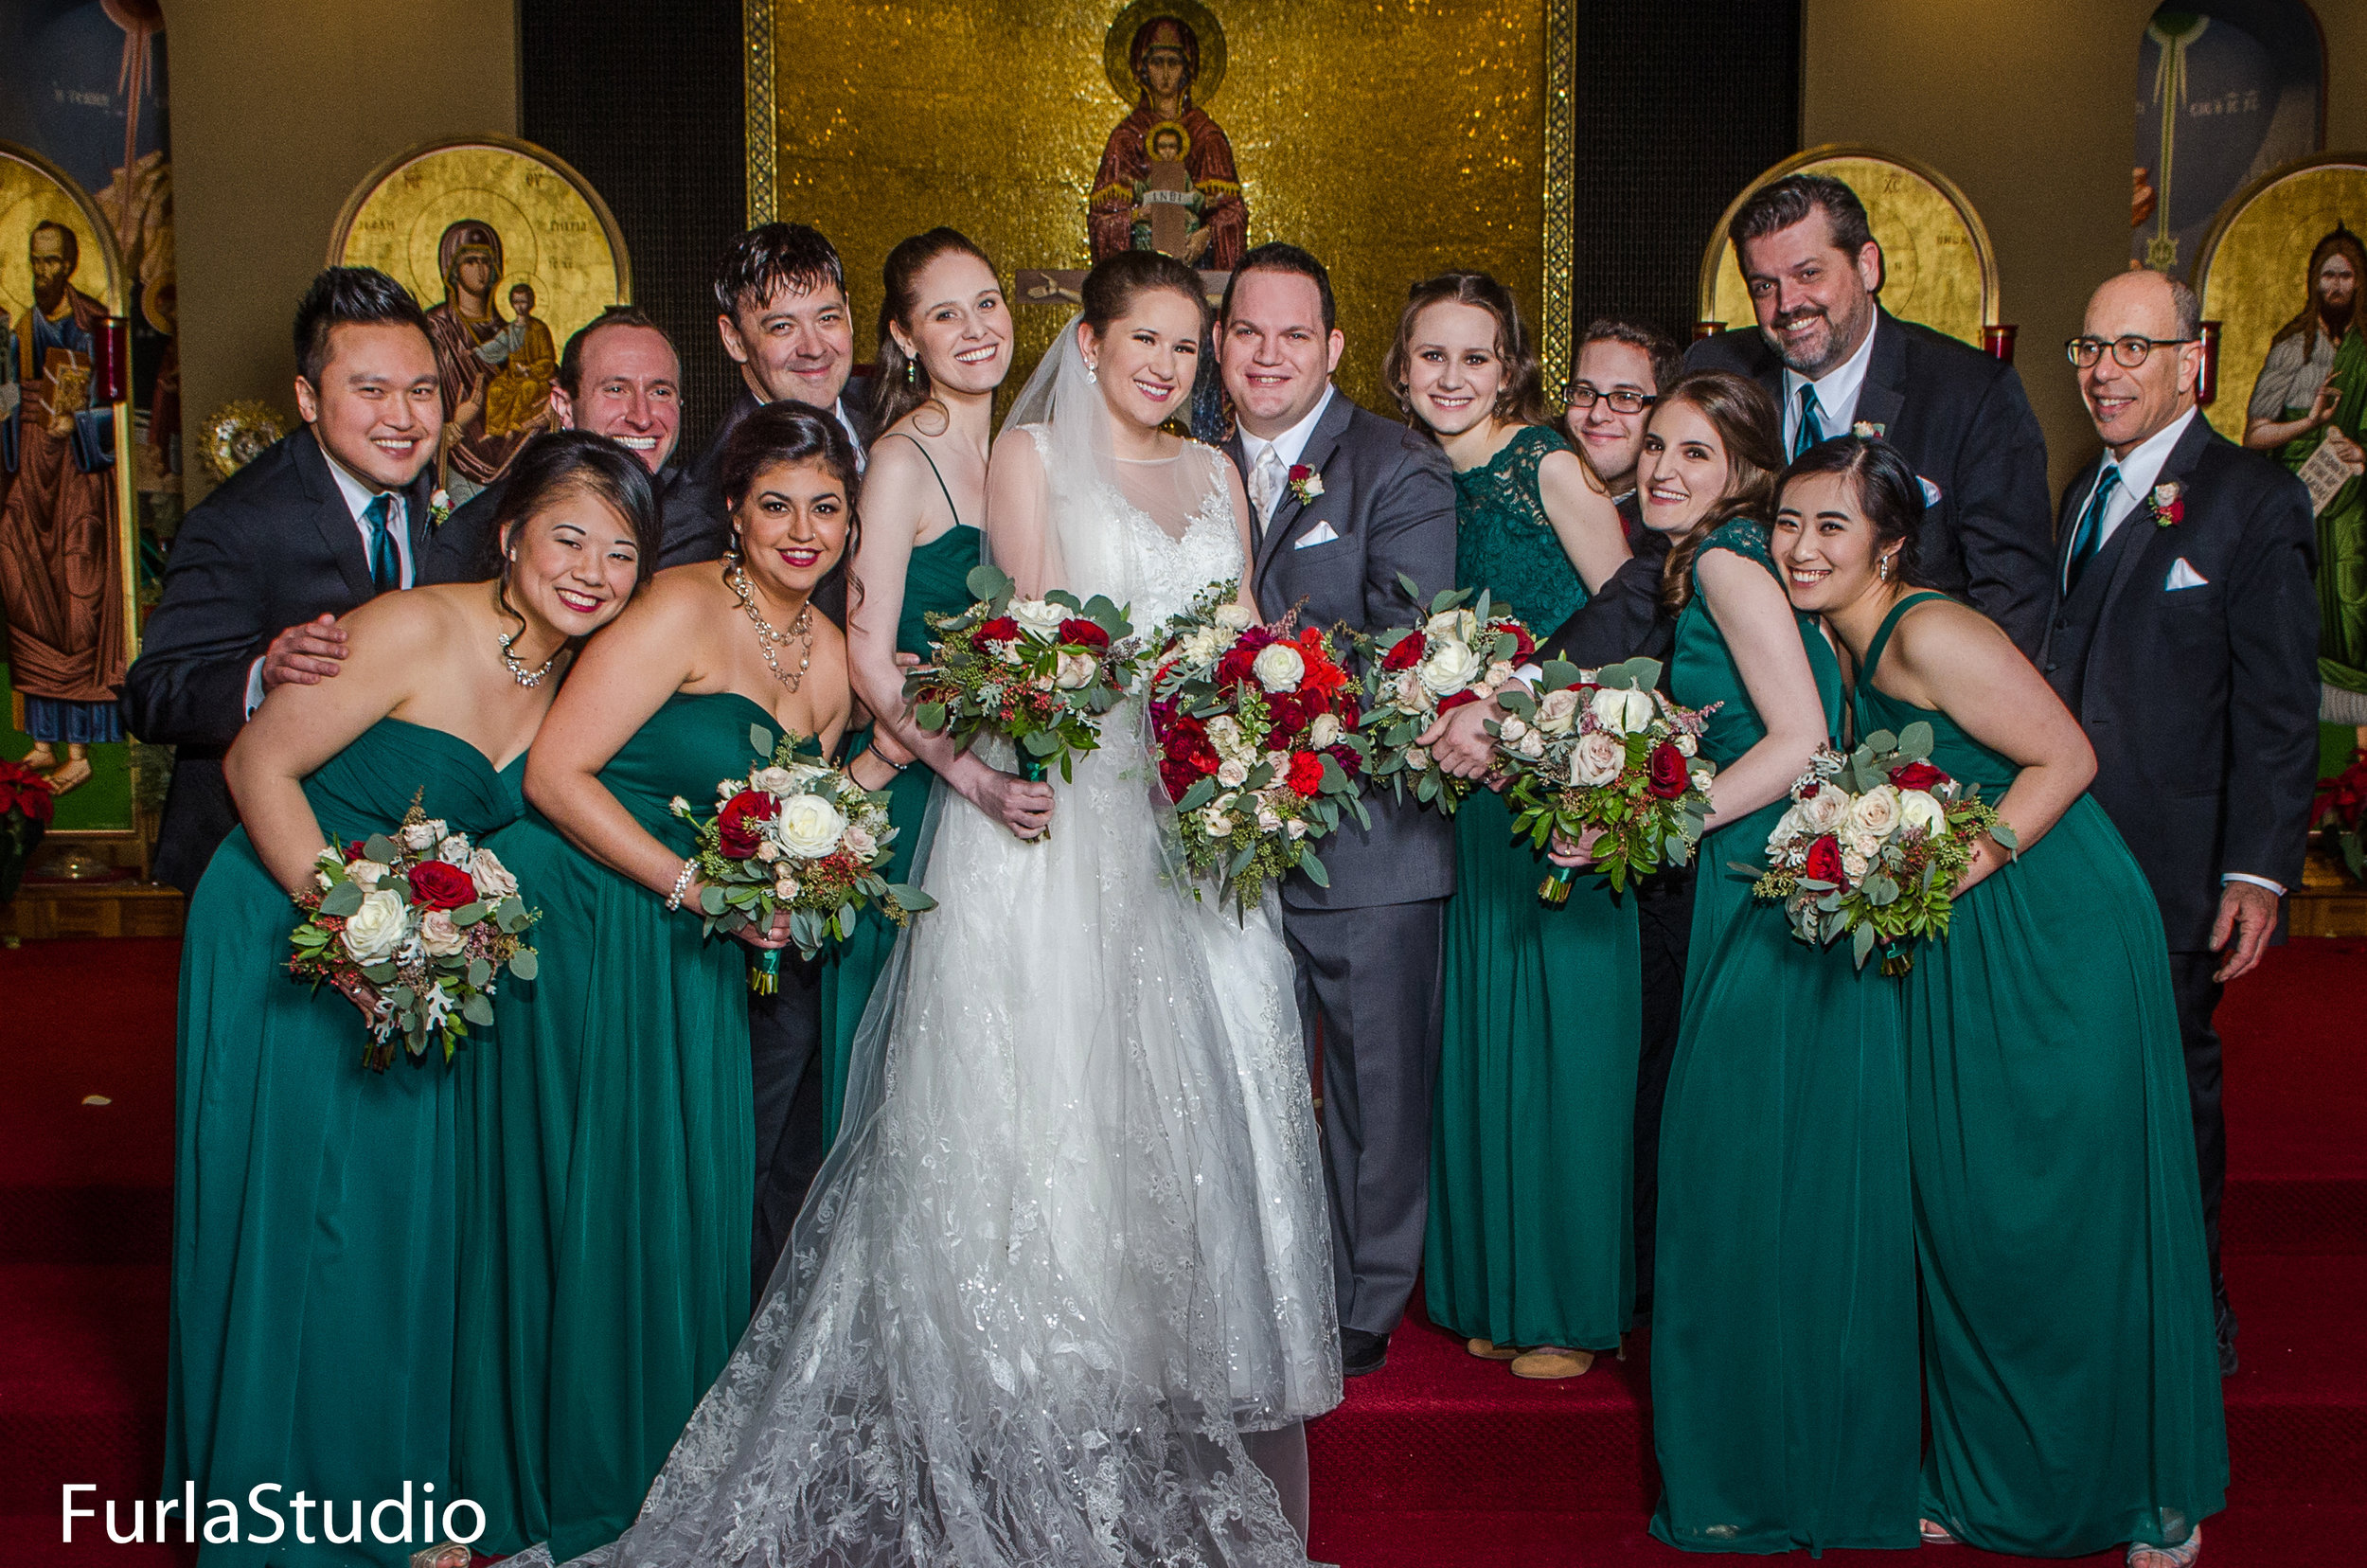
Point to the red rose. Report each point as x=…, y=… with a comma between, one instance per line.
x=1447, y=704
x=736, y=825
x=1405, y=654
x=1522, y=644
x=1917, y=776
x=1807, y=792
x=1288, y=711
x=1084, y=633
x=1307, y=772
x=436, y=885
x=1299, y=473
x=1186, y=742
x=1236, y=668
x=1001, y=629
x=1177, y=776
x=1824, y=861
x=1666, y=775
x=1345, y=755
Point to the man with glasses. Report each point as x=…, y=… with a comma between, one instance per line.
x=1836, y=363
x=2185, y=636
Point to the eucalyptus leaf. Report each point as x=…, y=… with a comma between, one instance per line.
x=477, y=1010
x=929, y=716
x=479, y=973
x=1199, y=794
x=1914, y=741
x=1861, y=943
x=712, y=900
x=986, y=581
x=381, y=849
x=523, y=964
x=1314, y=868
x=378, y=974
x=342, y=900
x=2003, y=832
x=910, y=899
x=1560, y=674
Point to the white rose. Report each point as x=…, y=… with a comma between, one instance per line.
x=1789, y=827
x=767, y=850
x=1279, y=667
x=1857, y=840
x=1610, y=707
x=678, y=804
x=1825, y=810
x=1040, y=618
x=1416, y=758
x=1323, y=732
x=809, y=826
x=1224, y=733
x=420, y=837
x=1852, y=865
x=1231, y=773
x=1684, y=743
x=454, y=851
x=1217, y=823
x=439, y=935
x=1451, y=665
x=1074, y=671
x=1875, y=812
x=1235, y=619
x=1269, y=821
x=1532, y=745
x=369, y=873
x=1203, y=647
x=786, y=888
x=374, y=930
x=1511, y=729
x=778, y=781
x=1704, y=779
x=1497, y=674
x=1279, y=761
x=859, y=842
x=1459, y=625
x=1597, y=758
x=1558, y=711
x=1410, y=691
x=1296, y=827
x=1917, y=810
x=491, y=876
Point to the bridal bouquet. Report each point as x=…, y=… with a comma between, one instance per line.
x=1043, y=671
x=1414, y=673
x=425, y=922
x=1255, y=730
x=1873, y=847
x=1602, y=750
x=798, y=835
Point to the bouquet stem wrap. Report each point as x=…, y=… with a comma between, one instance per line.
x=764, y=971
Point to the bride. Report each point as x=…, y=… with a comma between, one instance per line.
x=1067, y=1273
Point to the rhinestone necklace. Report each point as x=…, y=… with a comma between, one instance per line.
x=518, y=671
x=767, y=638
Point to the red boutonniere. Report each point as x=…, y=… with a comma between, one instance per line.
x=1305, y=483
x=2169, y=505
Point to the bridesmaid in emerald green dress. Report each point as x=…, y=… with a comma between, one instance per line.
x=1784, y=1376
x=2070, y=1362
x=945, y=346
x=1530, y=1252
x=608, y=1144
x=312, y=1256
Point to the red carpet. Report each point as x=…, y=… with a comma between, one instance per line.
x=1435, y=1462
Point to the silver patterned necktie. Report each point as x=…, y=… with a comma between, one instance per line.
x=1265, y=484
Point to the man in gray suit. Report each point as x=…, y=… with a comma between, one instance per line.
x=1343, y=503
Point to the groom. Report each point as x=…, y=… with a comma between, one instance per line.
x=1341, y=502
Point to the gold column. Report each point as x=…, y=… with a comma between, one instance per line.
x=1562, y=28
x=762, y=131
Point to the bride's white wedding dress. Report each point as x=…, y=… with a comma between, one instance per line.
x=1072, y=1241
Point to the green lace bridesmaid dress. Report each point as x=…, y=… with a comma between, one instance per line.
x=1785, y=1410
x=313, y=1265
x=607, y=1167
x=937, y=579
x=2070, y=1362
x=1531, y=1224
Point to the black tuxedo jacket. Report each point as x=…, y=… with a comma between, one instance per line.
x=466, y=550
x=2202, y=701
x=1962, y=418
x=275, y=547
x=702, y=493
x=1388, y=502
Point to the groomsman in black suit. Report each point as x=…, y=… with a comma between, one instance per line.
x=315, y=525
x=2185, y=636
x=1343, y=503
x=1834, y=360
x=618, y=377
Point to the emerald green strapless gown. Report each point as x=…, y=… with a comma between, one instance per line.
x=2070, y=1360
x=312, y=1267
x=1783, y=1354
x=937, y=579
x=1531, y=1229
x=607, y=1167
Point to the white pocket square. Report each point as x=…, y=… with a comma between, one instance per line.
x=2183, y=576
x=1321, y=533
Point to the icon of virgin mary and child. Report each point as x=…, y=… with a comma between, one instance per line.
x=1167, y=180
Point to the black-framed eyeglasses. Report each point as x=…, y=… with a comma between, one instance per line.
x=1622, y=400
x=2128, y=352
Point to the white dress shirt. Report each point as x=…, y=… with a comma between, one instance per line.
x=1836, y=392
x=358, y=497
x=862, y=459
x=1288, y=448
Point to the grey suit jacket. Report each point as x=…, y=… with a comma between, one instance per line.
x=1388, y=496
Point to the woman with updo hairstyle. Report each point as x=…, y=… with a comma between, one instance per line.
x=1530, y=1250
x=1783, y=1329
x=607, y=1179
x=312, y=1257
x=2070, y=1364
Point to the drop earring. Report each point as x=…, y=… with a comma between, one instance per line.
x=1091, y=375
x=1883, y=568
x=911, y=373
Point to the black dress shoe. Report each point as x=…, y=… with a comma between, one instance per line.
x=2226, y=1325
x=1361, y=1351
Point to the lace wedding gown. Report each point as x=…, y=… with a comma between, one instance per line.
x=1072, y=1241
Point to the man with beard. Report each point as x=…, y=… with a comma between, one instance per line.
x=60, y=578
x=1837, y=363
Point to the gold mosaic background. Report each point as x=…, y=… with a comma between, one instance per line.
x=1394, y=138
x=2252, y=283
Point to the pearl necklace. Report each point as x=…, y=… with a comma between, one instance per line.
x=518, y=671
x=767, y=638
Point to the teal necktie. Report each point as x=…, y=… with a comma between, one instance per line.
x=385, y=563
x=2089, y=537
x=1812, y=423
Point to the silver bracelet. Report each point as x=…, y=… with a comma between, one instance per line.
x=682, y=886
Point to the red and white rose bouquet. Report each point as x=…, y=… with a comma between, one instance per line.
x=1462, y=652
x=1258, y=749
x=1042, y=671
x=800, y=835
x=418, y=922
x=1603, y=751
x=1873, y=847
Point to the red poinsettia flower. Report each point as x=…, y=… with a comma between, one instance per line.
x=1824, y=861
x=1917, y=776
x=437, y=885
x=1666, y=776
x=1406, y=653
x=23, y=790
x=1083, y=633
x=737, y=826
x=1307, y=772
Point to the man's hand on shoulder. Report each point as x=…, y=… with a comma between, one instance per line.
x=2248, y=917
x=305, y=654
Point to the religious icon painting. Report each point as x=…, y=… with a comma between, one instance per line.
x=509, y=251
